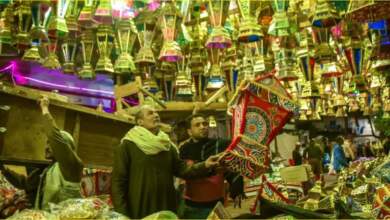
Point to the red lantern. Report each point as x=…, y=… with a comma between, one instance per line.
x=260, y=110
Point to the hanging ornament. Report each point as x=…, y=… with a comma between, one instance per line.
x=325, y=14
x=87, y=48
x=219, y=36
x=354, y=52
x=105, y=41
x=368, y=10
x=126, y=34
x=69, y=49
x=285, y=64
x=85, y=18
x=215, y=80
x=23, y=16
x=146, y=24
x=6, y=36
x=249, y=30
x=71, y=18
x=183, y=83
x=229, y=68
x=57, y=27
x=279, y=26
x=170, y=20
x=323, y=51
x=51, y=61
x=103, y=13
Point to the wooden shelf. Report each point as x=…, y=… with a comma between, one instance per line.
x=55, y=99
x=189, y=106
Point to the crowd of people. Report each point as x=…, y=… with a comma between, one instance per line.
x=332, y=155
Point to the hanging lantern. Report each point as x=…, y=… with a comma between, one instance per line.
x=85, y=18
x=368, y=10
x=6, y=40
x=355, y=55
x=314, y=108
x=304, y=107
x=87, y=48
x=71, y=18
x=32, y=54
x=105, y=41
x=330, y=110
x=219, y=36
x=229, y=68
x=325, y=14
x=323, y=51
x=183, y=83
x=169, y=69
x=249, y=30
x=51, y=61
x=126, y=35
x=40, y=12
x=279, y=26
x=330, y=69
x=69, y=48
x=23, y=16
x=57, y=27
x=145, y=23
x=307, y=63
x=215, y=80
x=285, y=64
x=103, y=13
x=170, y=20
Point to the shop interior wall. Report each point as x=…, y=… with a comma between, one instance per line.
x=95, y=136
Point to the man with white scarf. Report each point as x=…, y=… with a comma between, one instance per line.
x=145, y=163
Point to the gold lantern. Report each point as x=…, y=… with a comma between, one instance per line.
x=280, y=25
x=219, y=37
x=87, y=48
x=126, y=34
x=149, y=83
x=215, y=80
x=85, y=18
x=368, y=10
x=249, y=30
x=71, y=18
x=354, y=53
x=323, y=51
x=103, y=13
x=69, y=48
x=51, y=61
x=229, y=66
x=32, y=54
x=304, y=107
x=146, y=24
x=330, y=108
x=183, y=83
x=325, y=14
x=57, y=27
x=285, y=64
x=315, y=109
x=353, y=104
x=23, y=14
x=170, y=20
x=6, y=41
x=105, y=41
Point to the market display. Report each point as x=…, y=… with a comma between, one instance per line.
x=11, y=198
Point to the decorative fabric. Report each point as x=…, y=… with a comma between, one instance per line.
x=95, y=182
x=147, y=142
x=260, y=109
x=381, y=205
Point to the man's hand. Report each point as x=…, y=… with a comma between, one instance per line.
x=213, y=161
x=44, y=104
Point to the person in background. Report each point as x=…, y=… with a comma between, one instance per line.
x=61, y=180
x=348, y=150
x=296, y=154
x=145, y=164
x=201, y=195
x=386, y=145
x=367, y=150
x=338, y=161
x=313, y=155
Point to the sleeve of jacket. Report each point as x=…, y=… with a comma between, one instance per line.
x=183, y=170
x=340, y=156
x=120, y=178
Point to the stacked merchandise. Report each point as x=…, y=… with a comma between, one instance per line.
x=361, y=191
x=97, y=182
x=11, y=198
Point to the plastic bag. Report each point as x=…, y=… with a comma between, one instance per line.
x=29, y=214
x=87, y=208
x=161, y=215
x=113, y=216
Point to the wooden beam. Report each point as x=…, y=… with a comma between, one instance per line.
x=34, y=94
x=189, y=106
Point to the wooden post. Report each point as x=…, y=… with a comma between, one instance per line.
x=141, y=98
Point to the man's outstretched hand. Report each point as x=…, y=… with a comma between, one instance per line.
x=44, y=104
x=213, y=161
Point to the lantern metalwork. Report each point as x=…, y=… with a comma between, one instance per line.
x=57, y=27
x=126, y=34
x=280, y=25
x=103, y=13
x=325, y=14
x=23, y=18
x=219, y=36
x=69, y=49
x=87, y=48
x=249, y=30
x=6, y=37
x=146, y=24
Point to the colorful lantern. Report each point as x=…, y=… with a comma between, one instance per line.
x=215, y=80
x=355, y=56
x=325, y=14
x=85, y=18
x=57, y=27
x=51, y=61
x=259, y=113
x=69, y=48
x=126, y=34
x=6, y=41
x=146, y=24
x=87, y=48
x=183, y=83
x=280, y=25
x=23, y=14
x=285, y=64
x=249, y=30
x=103, y=14
x=170, y=18
x=219, y=36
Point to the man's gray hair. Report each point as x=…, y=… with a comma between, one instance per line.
x=138, y=114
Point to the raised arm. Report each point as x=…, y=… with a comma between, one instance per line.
x=63, y=147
